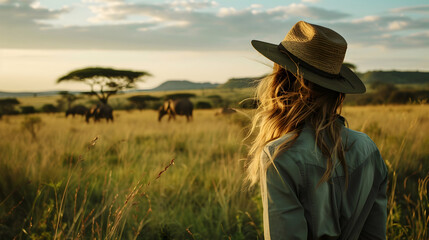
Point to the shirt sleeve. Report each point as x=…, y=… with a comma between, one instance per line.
x=375, y=224
x=286, y=219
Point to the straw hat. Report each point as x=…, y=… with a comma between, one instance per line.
x=317, y=53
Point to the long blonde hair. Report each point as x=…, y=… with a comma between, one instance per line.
x=286, y=102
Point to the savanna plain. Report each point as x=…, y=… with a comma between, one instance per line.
x=137, y=178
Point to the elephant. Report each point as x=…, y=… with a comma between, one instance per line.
x=100, y=111
x=78, y=109
x=176, y=107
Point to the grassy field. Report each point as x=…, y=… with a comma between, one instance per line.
x=141, y=179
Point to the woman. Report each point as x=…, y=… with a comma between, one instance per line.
x=319, y=179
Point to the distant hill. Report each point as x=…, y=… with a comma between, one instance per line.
x=395, y=77
x=183, y=85
x=241, y=82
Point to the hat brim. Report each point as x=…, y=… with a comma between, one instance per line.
x=348, y=82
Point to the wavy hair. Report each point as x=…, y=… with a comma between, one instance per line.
x=286, y=102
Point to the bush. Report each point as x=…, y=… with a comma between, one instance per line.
x=7, y=106
x=142, y=101
x=49, y=108
x=203, y=105
x=216, y=100
x=175, y=96
x=28, y=109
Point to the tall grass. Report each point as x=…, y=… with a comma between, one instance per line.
x=401, y=135
x=118, y=181
x=68, y=191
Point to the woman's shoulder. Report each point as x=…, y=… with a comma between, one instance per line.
x=302, y=147
x=358, y=146
x=358, y=141
x=274, y=144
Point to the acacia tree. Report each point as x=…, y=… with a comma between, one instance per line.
x=105, y=82
x=69, y=98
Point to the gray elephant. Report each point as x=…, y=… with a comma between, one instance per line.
x=172, y=108
x=100, y=111
x=78, y=109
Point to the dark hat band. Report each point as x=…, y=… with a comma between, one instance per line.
x=294, y=58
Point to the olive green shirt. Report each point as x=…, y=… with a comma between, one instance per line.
x=295, y=208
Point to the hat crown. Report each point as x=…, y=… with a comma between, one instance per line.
x=318, y=46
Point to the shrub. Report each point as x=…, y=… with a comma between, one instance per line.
x=49, y=108
x=7, y=105
x=216, y=100
x=203, y=105
x=28, y=109
x=141, y=101
x=179, y=96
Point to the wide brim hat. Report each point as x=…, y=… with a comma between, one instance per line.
x=317, y=54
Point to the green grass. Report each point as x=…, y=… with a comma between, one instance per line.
x=64, y=184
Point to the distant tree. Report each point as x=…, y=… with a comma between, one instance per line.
x=68, y=98
x=105, y=82
x=401, y=97
x=141, y=101
x=175, y=96
x=216, y=100
x=28, y=109
x=7, y=106
x=365, y=99
x=383, y=91
x=350, y=65
x=203, y=105
x=49, y=108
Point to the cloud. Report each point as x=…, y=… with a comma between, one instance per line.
x=390, y=31
x=194, y=25
x=366, y=19
x=256, y=5
x=24, y=18
x=311, y=1
x=191, y=5
x=102, y=1
x=415, y=9
x=301, y=10
x=397, y=25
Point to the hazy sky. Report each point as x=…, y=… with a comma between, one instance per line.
x=203, y=41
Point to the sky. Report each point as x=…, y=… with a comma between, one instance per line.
x=201, y=41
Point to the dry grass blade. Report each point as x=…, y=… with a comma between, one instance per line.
x=92, y=143
x=120, y=212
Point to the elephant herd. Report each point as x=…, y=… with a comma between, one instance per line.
x=172, y=108
x=96, y=112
